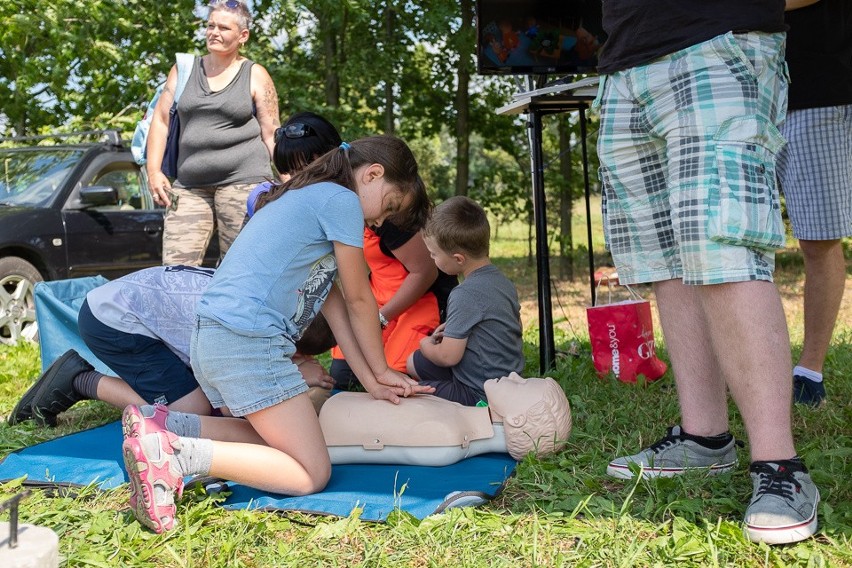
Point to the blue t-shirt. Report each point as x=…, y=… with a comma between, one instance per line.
x=280, y=269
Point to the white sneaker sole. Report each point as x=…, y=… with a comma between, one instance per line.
x=786, y=534
x=620, y=471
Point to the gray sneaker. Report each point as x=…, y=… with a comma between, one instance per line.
x=674, y=455
x=783, y=506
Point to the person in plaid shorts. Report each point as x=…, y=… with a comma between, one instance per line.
x=815, y=170
x=691, y=97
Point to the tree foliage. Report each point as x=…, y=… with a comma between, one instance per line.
x=71, y=64
x=396, y=66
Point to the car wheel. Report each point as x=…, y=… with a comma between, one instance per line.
x=17, y=300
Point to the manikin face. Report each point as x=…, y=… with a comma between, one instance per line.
x=512, y=396
x=379, y=198
x=535, y=413
x=223, y=32
x=443, y=260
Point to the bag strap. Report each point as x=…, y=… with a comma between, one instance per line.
x=598, y=289
x=184, y=69
x=633, y=293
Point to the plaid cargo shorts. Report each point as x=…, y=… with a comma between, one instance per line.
x=687, y=145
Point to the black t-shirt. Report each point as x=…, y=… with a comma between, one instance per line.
x=391, y=238
x=640, y=31
x=819, y=54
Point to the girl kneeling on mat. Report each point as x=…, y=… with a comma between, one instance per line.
x=278, y=274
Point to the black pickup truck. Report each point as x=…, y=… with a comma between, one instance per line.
x=70, y=210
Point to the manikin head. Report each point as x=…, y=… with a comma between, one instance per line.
x=535, y=413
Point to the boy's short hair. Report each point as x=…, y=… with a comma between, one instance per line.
x=317, y=338
x=460, y=224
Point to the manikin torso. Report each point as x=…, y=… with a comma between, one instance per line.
x=421, y=430
x=523, y=415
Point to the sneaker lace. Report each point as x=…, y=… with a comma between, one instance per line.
x=777, y=482
x=666, y=441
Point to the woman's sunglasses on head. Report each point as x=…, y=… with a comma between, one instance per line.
x=231, y=4
x=293, y=131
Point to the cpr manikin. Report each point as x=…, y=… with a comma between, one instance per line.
x=523, y=415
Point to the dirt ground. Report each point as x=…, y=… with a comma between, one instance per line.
x=570, y=300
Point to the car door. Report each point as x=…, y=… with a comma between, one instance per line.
x=117, y=238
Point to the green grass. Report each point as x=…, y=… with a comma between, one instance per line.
x=558, y=511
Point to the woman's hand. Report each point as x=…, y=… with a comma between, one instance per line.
x=159, y=186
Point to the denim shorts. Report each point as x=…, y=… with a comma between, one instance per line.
x=815, y=169
x=151, y=369
x=688, y=146
x=245, y=374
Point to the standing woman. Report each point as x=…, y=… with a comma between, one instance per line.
x=228, y=115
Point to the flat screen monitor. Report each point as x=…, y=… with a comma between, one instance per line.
x=533, y=37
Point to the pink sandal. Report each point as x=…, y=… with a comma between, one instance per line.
x=135, y=425
x=147, y=471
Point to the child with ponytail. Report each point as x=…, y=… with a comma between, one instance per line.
x=300, y=253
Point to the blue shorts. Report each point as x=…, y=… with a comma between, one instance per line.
x=815, y=170
x=688, y=145
x=446, y=385
x=146, y=364
x=245, y=374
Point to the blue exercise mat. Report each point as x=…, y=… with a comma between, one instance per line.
x=57, y=304
x=94, y=457
x=76, y=460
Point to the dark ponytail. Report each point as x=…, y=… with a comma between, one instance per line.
x=337, y=166
x=331, y=167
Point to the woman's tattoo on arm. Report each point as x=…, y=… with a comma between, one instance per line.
x=270, y=101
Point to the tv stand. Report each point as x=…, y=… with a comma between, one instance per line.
x=585, y=87
x=560, y=81
x=552, y=99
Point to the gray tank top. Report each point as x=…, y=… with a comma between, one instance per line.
x=220, y=141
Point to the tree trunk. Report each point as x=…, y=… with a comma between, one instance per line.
x=332, y=75
x=390, y=77
x=566, y=201
x=333, y=31
x=462, y=98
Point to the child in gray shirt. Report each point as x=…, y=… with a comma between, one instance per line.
x=481, y=338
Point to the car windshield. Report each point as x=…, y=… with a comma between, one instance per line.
x=32, y=176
